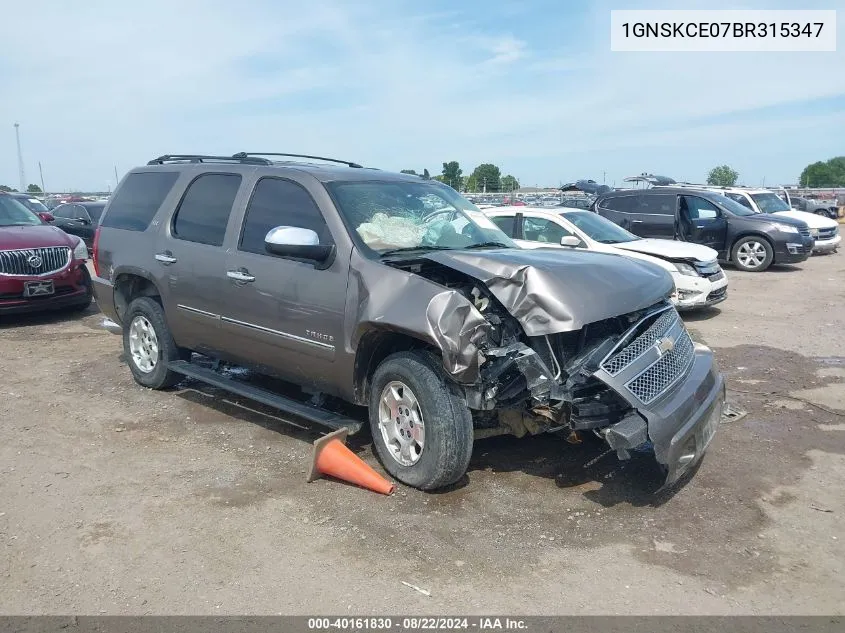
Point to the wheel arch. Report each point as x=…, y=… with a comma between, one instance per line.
x=745, y=234
x=376, y=344
x=130, y=284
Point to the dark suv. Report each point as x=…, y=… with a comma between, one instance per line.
x=751, y=241
x=395, y=293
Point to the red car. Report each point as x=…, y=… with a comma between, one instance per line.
x=41, y=266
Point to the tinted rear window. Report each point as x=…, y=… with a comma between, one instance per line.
x=138, y=199
x=204, y=211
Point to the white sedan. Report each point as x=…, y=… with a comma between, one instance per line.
x=699, y=280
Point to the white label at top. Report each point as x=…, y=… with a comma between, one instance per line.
x=723, y=31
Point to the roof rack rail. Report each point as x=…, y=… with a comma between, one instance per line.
x=242, y=155
x=202, y=158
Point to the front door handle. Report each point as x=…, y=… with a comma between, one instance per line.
x=165, y=258
x=240, y=275
x=636, y=221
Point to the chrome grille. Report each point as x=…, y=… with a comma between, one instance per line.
x=619, y=361
x=804, y=232
x=662, y=374
x=34, y=261
x=828, y=234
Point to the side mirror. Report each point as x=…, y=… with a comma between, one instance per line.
x=47, y=217
x=296, y=242
x=570, y=240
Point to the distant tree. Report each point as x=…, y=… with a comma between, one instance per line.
x=829, y=173
x=6, y=188
x=509, y=183
x=722, y=176
x=426, y=175
x=452, y=174
x=33, y=189
x=487, y=177
x=471, y=184
x=409, y=171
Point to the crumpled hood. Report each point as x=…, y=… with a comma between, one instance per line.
x=34, y=236
x=551, y=290
x=670, y=249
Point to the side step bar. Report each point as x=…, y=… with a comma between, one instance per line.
x=290, y=406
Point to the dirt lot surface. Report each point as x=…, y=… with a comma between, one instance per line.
x=119, y=500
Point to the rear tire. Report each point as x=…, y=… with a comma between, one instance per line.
x=752, y=254
x=148, y=344
x=421, y=426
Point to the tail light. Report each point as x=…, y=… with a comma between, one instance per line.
x=96, y=257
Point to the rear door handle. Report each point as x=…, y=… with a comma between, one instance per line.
x=636, y=221
x=239, y=275
x=165, y=258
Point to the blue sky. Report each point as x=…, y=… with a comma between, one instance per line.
x=529, y=85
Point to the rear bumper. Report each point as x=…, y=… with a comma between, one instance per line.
x=104, y=294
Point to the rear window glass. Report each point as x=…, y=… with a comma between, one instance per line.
x=203, y=215
x=138, y=199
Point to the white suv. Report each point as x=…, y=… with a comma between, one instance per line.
x=823, y=230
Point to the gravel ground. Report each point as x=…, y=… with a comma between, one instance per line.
x=119, y=500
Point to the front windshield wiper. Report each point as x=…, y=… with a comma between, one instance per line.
x=412, y=249
x=486, y=245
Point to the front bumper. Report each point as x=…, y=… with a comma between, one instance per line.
x=698, y=292
x=681, y=421
x=71, y=287
x=794, y=249
x=827, y=246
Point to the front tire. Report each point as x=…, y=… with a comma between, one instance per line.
x=752, y=254
x=420, y=423
x=148, y=344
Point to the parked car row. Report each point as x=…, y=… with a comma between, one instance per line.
x=750, y=237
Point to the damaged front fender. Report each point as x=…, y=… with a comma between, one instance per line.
x=395, y=300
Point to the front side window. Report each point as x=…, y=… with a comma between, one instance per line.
x=699, y=208
x=277, y=202
x=13, y=213
x=204, y=212
x=392, y=216
x=543, y=230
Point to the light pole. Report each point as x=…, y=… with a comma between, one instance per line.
x=21, y=171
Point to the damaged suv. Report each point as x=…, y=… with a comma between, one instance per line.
x=395, y=293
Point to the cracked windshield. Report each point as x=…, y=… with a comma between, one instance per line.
x=391, y=217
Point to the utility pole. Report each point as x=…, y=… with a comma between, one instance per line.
x=41, y=173
x=21, y=171
x=116, y=179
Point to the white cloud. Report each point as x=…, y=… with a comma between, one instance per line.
x=111, y=83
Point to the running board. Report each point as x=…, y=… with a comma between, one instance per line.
x=286, y=405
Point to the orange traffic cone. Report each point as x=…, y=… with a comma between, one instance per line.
x=331, y=457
